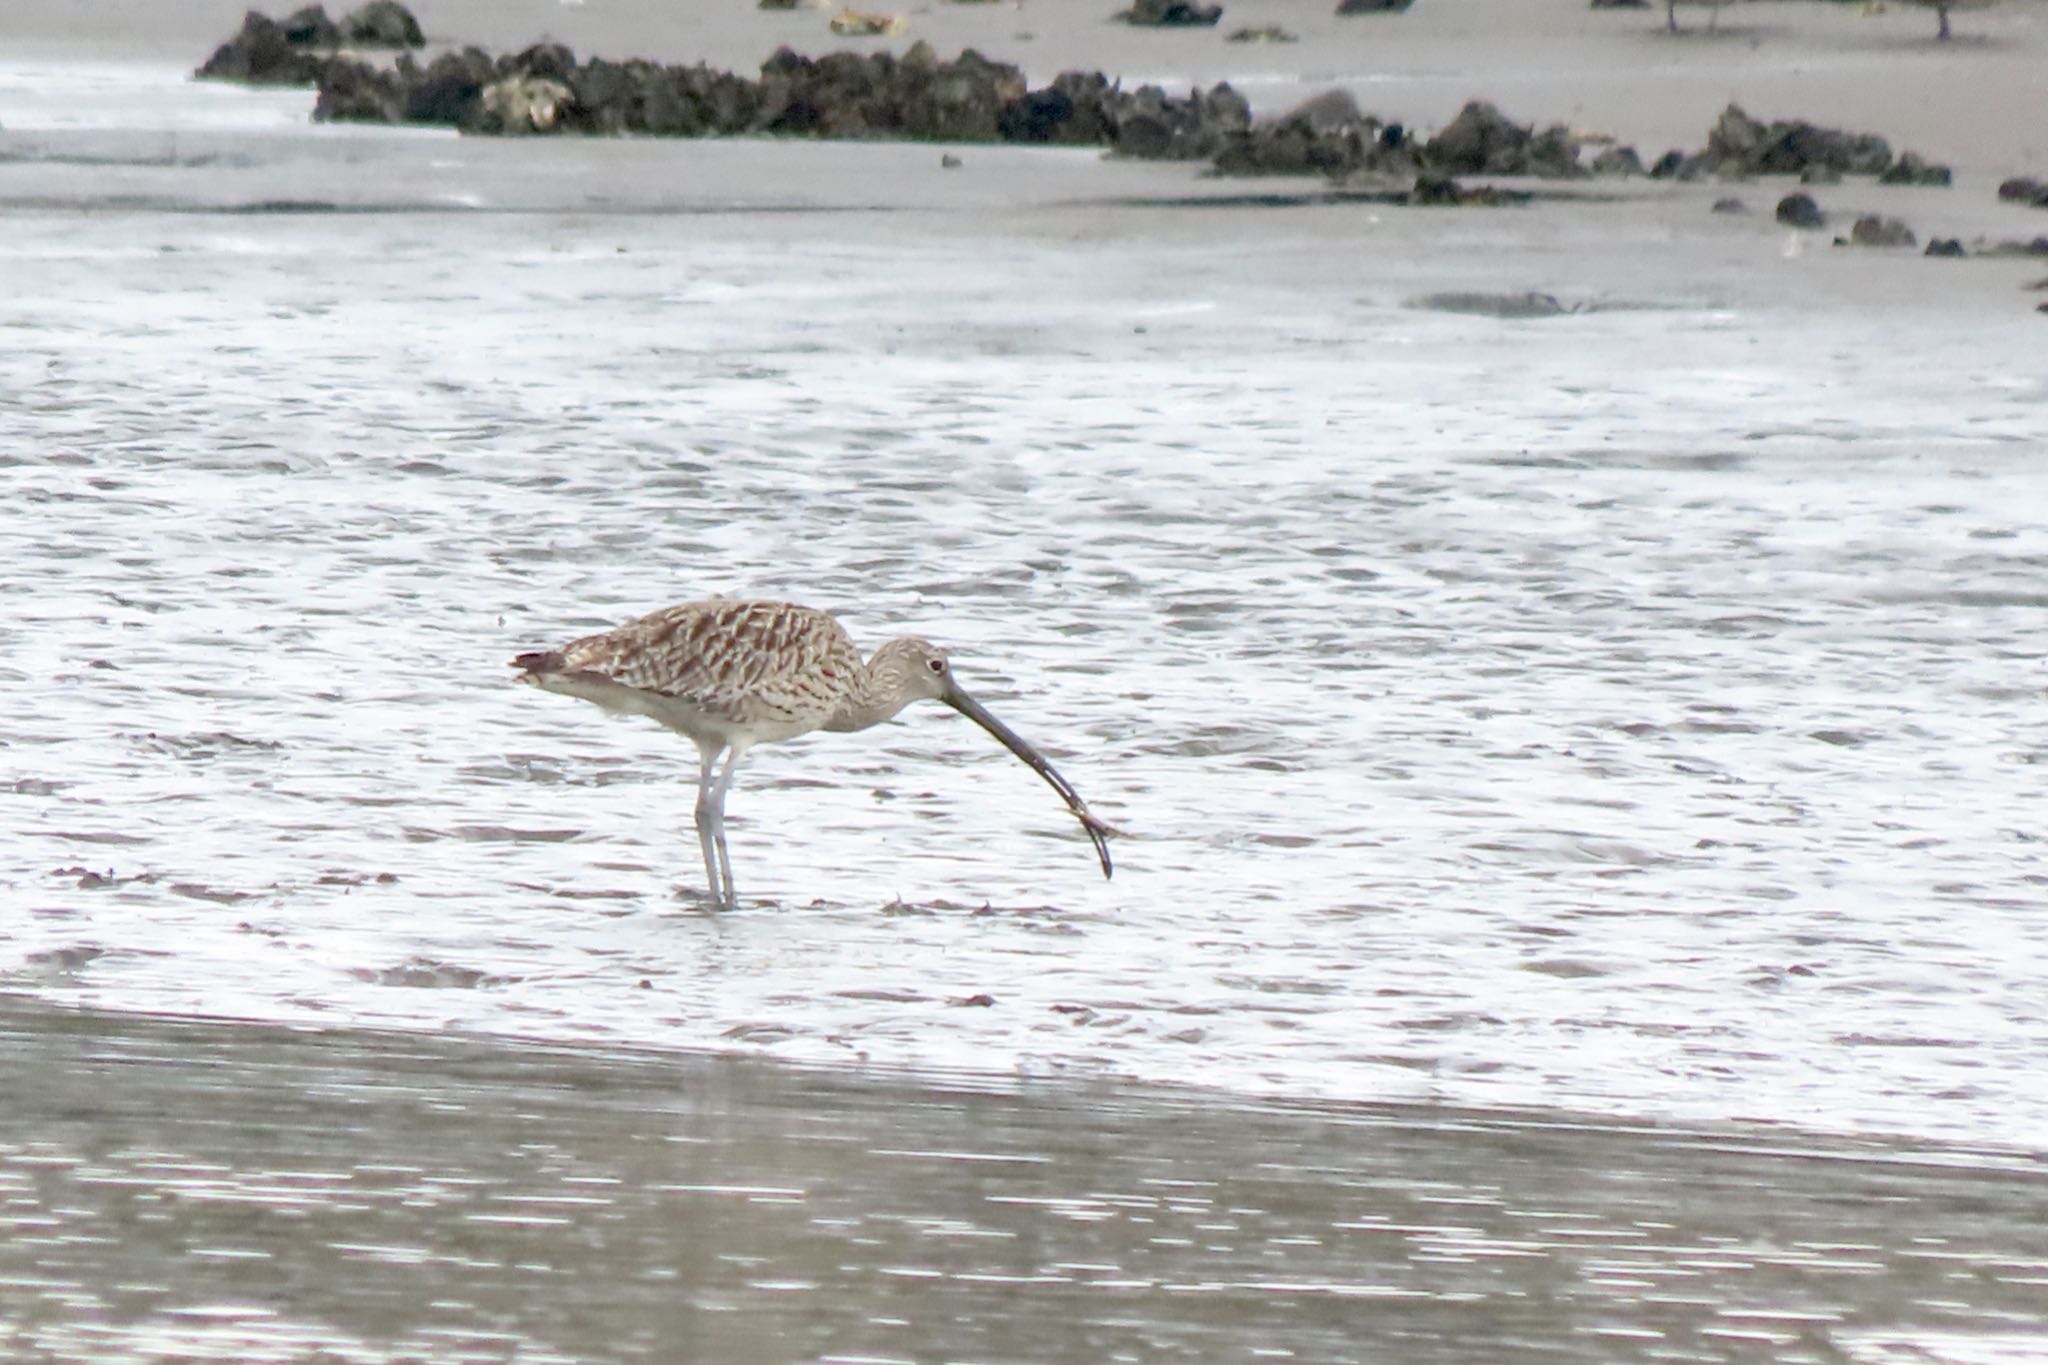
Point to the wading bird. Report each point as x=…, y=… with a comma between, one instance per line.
x=728, y=675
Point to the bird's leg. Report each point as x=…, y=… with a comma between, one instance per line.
x=709, y=827
x=732, y=763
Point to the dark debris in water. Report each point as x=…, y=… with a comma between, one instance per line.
x=207, y=744
x=88, y=879
x=422, y=973
x=199, y=891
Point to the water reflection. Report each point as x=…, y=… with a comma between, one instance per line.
x=191, y=1189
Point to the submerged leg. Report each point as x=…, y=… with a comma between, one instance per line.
x=709, y=831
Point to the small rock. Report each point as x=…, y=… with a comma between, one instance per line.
x=1171, y=14
x=1874, y=229
x=949, y=162
x=1730, y=204
x=1264, y=33
x=1800, y=211
x=1945, y=246
x=1372, y=6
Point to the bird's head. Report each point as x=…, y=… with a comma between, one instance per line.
x=914, y=669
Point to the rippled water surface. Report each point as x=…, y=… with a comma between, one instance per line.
x=1633, y=711
x=175, y=1190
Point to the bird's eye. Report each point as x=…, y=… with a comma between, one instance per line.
x=936, y=665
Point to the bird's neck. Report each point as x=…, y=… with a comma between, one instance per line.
x=872, y=701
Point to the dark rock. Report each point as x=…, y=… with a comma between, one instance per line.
x=1740, y=145
x=1730, y=204
x=1264, y=33
x=450, y=90
x=261, y=54
x=383, y=23
x=310, y=27
x=548, y=61
x=1151, y=124
x=959, y=101
x=1441, y=191
x=1620, y=4
x=1515, y=307
x=1876, y=230
x=1325, y=135
x=2024, y=189
x=1913, y=169
x=1800, y=211
x=1481, y=141
x=1171, y=14
x=357, y=92
x=1666, y=166
x=1434, y=191
x=1372, y=6
x=1617, y=161
x=1077, y=109
x=1945, y=246
x=2037, y=247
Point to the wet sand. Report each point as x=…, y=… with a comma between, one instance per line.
x=211, y=1190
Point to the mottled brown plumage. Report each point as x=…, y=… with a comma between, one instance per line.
x=730, y=674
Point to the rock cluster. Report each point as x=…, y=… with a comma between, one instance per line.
x=294, y=50
x=1739, y=145
x=547, y=89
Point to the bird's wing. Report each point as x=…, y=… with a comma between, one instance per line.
x=728, y=657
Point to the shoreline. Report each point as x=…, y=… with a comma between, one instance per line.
x=1607, y=71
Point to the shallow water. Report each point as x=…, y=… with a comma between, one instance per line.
x=1632, y=712
x=176, y=1190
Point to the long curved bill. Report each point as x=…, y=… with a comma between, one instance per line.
x=1098, y=830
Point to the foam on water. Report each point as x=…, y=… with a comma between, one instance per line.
x=1634, y=710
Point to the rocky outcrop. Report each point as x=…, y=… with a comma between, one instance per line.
x=263, y=53
x=382, y=23
x=1152, y=124
x=1739, y=145
x=1325, y=135
x=918, y=96
x=297, y=49
x=1482, y=141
